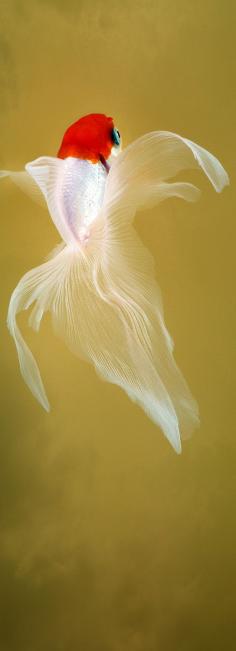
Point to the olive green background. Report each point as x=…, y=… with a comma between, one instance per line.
x=108, y=540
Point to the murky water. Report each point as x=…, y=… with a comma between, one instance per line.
x=108, y=540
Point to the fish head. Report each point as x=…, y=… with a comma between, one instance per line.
x=93, y=137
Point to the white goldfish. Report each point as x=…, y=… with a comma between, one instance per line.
x=99, y=284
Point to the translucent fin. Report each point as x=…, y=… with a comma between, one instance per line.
x=108, y=309
x=28, y=290
x=150, y=195
x=139, y=171
x=137, y=346
x=20, y=300
x=48, y=172
x=41, y=286
x=26, y=183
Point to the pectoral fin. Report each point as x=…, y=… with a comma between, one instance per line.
x=138, y=176
x=26, y=183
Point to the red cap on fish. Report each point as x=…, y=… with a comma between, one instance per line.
x=91, y=138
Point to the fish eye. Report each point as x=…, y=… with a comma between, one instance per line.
x=115, y=135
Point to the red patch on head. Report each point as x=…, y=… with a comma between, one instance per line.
x=89, y=138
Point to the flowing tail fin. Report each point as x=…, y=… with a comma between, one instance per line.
x=46, y=288
x=30, y=288
x=100, y=306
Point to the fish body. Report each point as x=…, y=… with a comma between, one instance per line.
x=99, y=285
x=78, y=188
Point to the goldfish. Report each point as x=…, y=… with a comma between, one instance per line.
x=99, y=283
